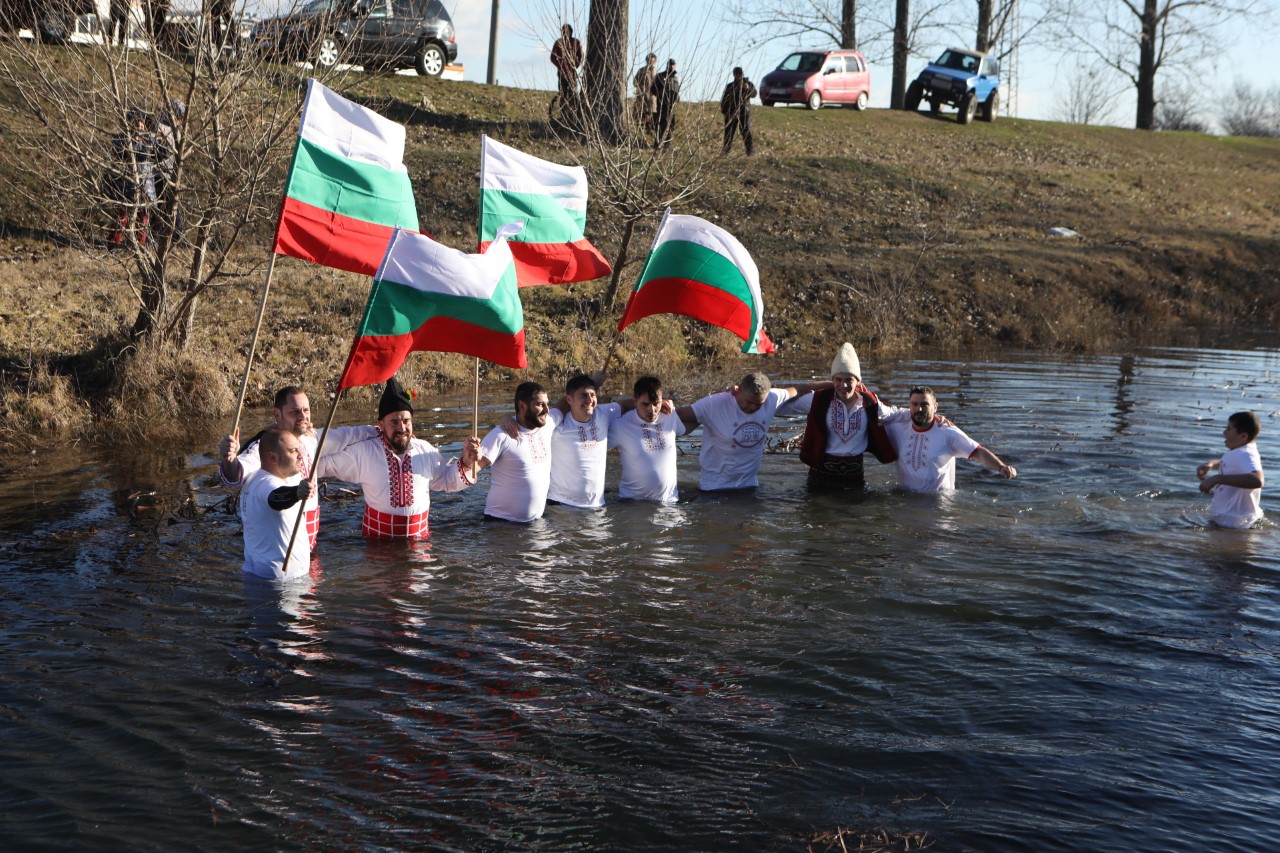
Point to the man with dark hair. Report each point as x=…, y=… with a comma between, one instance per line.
x=1237, y=487
x=927, y=448
x=646, y=440
x=566, y=56
x=521, y=465
x=397, y=471
x=735, y=106
x=291, y=413
x=269, y=493
x=580, y=444
x=735, y=428
x=666, y=89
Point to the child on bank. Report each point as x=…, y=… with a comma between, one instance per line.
x=1237, y=487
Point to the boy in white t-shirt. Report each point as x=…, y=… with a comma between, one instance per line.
x=1237, y=487
x=646, y=441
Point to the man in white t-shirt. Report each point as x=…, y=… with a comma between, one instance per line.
x=1237, y=487
x=521, y=466
x=927, y=448
x=646, y=441
x=735, y=426
x=579, y=444
x=270, y=502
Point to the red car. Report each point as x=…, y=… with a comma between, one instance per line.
x=817, y=77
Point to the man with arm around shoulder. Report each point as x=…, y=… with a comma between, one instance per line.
x=927, y=448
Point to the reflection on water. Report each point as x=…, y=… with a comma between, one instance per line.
x=1071, y=660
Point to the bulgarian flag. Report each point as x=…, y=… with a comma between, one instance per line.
x=550, y=200
x=347, y=187
x=428, y=297
x=701, y=271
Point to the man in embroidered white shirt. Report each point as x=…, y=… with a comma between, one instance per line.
x=521, y=465
x=397, y=471
x=927, y=449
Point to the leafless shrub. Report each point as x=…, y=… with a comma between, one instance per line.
x=1091, y=96
x=1250, y=111
x=1179, y=109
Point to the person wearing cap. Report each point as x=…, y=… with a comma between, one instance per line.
x=666, y=91
x=521, y=464
x=292, y=413
x=735, y=106
x=735, y=425
x=397, y=471
x=844, y=422
x=267, y=510
x=927, y=446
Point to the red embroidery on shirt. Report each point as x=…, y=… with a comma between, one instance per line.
x=843, y=424
x=400, y=476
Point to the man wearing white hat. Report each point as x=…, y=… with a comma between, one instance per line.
x=844, y=422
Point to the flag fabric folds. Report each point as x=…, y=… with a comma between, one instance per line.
x=348, y=187
x=550, y=200
x=428, y=297
x=701, y=271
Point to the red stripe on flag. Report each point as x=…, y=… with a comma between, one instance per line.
x=376, y=358
x=556, y=263
x=692, y=299
x=330, y=239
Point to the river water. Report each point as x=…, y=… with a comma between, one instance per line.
x=1071, y=660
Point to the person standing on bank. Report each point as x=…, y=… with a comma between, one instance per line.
x=267, y=509
x=397, y=471
x=646, y=105
x=735, y=106
x=844, y=422
x=927, y=448
x=566, y=56
x=666, y=90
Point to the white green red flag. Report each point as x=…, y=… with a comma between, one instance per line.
x=428, y=297
x=348, y=187
x=550, y=200
x=701, y=271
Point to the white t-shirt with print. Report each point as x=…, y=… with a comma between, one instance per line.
x=927, y=458
x=648, y=452
x=579, y=453
x=733, y=442
x=1233, y=506
x=267, y=532
x=520, y=472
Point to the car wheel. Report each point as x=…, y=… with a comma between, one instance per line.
x=430, y=60
x=767, y=103
x=914, y=94
x=815, y=100
x=992, y=107
x=327, y=52
x=968, y=107
x=862, y=101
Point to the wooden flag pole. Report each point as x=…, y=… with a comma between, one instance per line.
x=475, y=417
x=253, y=343
x=315, y=469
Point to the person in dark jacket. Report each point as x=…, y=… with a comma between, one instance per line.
x=844, y=422
x=566, y=56
x=666, y=88
x=131, y=183
x=735, y=106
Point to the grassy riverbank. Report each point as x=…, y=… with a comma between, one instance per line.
x=883, y=228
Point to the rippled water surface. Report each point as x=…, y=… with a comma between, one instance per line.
x=1070, y=660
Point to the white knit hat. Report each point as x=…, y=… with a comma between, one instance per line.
x=847, y=362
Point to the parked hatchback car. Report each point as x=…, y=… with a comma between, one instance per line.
x=383, y=33
x=965, y=79
x=817, y=77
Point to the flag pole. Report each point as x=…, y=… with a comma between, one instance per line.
x=475, y=416
x=617, y=336
x=253, y=343
x=315, y=469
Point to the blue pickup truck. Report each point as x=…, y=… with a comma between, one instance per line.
x=965, y=79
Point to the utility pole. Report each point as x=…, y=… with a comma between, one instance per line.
x=492, y=77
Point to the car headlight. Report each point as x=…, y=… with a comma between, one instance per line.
x=799, y=84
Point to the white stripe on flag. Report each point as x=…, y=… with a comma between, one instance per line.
x=507, y=170
x=349, y=130
x=417, y=261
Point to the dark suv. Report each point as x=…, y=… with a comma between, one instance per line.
x=380, y=33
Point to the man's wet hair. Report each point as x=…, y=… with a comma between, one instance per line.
x=925, y=390
x=578, y=382
x=283, y=395
x=1246, y=423
x=756, y=383
x=526, y=391
x=269, y=441
x=650, y=386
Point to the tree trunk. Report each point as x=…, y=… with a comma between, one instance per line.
x=848, y=26
x=901, y=30
x=611, y=293
x=983, y=41
x=1146, y=119
x=605, y=73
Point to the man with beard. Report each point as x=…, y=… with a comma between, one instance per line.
x=521, y=465
x=646, y=440
x=397, y=471
x=292, y=413
x=927, y=448
x=844, y=422
x=269, y=493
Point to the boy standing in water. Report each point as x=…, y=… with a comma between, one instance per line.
x=1237, y=487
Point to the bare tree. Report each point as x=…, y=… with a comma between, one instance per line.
x=158, y=163
x=1180, y=108
x=813, y=21
x=606, y=70
x=1140, y=38
x=1091, y=95
x=1248, y=111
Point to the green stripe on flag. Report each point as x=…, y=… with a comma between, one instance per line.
x=683, y=259
x=397, y=309
x=546, y=220
x=350, y=188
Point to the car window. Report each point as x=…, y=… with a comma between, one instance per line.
x=854, y=63
x=378, y=9
x=406, y=8
x=835, y=65
x=801, y=62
